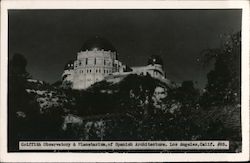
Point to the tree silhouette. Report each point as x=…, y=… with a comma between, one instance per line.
x=224, y=80
x=187, y=94
x=18, y=98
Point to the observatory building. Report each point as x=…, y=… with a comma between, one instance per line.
x=98, y=60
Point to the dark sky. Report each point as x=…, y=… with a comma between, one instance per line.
x=50, y=38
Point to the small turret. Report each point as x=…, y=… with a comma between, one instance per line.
x=155, y=59
x=69, y=65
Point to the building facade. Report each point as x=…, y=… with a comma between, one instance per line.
x=98, y=59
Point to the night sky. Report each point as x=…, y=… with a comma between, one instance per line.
x=50, y=38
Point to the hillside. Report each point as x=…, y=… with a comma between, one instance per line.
x=135, y=108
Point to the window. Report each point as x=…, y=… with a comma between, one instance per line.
x=96, y=70
x=86, y=61
x=64, y=76
x=104, y=62
x=87, y=70
x=95, y=61
x=90, y=71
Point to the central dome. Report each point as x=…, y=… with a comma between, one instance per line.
x=98, y=43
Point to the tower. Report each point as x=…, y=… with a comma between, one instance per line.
x=96, y=59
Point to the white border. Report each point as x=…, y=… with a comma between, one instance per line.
x=121, y=157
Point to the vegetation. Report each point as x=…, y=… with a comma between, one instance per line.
x=224, y=80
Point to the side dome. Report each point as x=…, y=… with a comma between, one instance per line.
x=97, y=43
x=155, y=59
x=69, y=65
